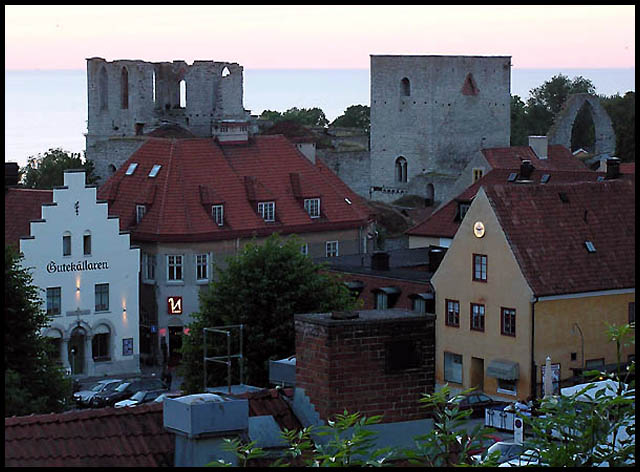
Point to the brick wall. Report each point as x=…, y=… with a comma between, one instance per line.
x=343, y=364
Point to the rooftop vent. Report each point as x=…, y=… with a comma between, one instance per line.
x=131, y=169
x=526, y=169
x=436, y=254
x=613, y=168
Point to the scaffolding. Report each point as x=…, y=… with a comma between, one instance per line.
x=226, y=330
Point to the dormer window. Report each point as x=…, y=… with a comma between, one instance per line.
x=217, y=212
x=154, y=171
x=131, y=169
x=267, y=210
x=312, y=206
x=463, y=208
x=140, y=211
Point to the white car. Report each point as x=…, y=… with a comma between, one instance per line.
x=143, y=396
x=508, y=450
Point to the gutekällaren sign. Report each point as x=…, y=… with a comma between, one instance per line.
x=52, y=267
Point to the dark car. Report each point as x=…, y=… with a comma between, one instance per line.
x=477, y=402
x=83, y=397
x=126, y=390
x=138, y=398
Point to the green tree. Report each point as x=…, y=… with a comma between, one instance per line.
x=261, y=288
x=355, y=116
x=519, y=132
x=304, y=116
x=622, y=111
x=46, y=171
x=33, y=381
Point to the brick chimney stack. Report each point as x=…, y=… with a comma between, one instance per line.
x=613, y=168
x=377, y=364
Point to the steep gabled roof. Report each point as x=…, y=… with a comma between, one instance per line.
x=443, y=222
x=548, y=234
x=239, y=176
x=20, y=207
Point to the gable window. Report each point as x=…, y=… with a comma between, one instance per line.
x=312, y=206
x=477, y=317
x=148, y=267
x=267, y=210
x=452, y=317
x=102, y=297
x=331, y=249
x=54, y=297
x=479, y=267
x=86, y=243
x=66, y=244
x=452, y=367
x=401, y=169
x=217, y=211
x=202, y=264
x=140, y=211
x=463, y=208
x=174, y=267
x=477, y=174
x=508, y=321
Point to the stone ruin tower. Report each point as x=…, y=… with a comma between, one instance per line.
x=430, y=115
x=130, y=99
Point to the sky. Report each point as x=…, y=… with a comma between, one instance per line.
x=318, y=37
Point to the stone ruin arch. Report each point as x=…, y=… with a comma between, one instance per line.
x=560, y=131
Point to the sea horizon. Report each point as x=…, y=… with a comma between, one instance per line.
x=47, y=108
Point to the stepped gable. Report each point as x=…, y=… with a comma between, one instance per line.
x=106, y=437
x=547, y=234
x=20, y=207
x=178, y=213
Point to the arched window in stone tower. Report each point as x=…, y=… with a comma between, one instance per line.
x=225, y=72
x=401, y=169
x=103, y=89
x=124, y=88
x=183, y=93
x=405, y=87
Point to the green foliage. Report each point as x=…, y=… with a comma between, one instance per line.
x=262, y=288
x=34, y=383
x=519, y=131
x=622, y=111
x=46, y=171
x=305, y=116
x=355, y=116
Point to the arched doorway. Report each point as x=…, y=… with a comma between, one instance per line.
x=76, y=350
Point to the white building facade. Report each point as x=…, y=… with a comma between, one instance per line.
x=89, y=277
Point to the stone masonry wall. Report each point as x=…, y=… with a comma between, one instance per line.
x=342, y=365
x=353, y=168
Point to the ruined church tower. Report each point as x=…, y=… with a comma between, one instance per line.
x=129, y=99
x=430, y=115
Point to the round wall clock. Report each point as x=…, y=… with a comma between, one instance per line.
x=478, y=229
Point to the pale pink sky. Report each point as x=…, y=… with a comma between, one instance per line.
x=318, y=37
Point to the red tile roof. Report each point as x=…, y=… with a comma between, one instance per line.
x=628, y=167
x=198, y=172
x=559, y=158
x=106, y=437
x=272, y=402
x=548, y=236
x=442, y=223
x=20, y=207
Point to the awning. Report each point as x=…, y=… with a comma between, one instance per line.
x=501, y=369
x=424, y=296
x=389, y=290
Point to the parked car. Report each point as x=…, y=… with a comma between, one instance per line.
x=138, y=398
x=507, y=449
x=126, y=390
x=83, y=397
x=477, y=402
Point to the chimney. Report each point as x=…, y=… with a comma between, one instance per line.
x=10, y=174
x=526, y=169
x=539, y=144
x=380, y=260
x=613, y=168
x=436, y=254
x=379, y=363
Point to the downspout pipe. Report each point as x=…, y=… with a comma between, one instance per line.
x=533, y=359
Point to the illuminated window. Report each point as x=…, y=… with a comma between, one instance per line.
x=54, y=297
x=174, y=267
x=479, y=267
x=452, y=317
x=312, y=206
x=217, y=211
x=331, y=249
x=202, y=264
x=102, y=297
x=477, y=174
x=267, y=210
x=508, y=322
x=477, y=317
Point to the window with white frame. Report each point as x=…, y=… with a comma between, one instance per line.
x=202, y=267
x=267, y=210
x=148, y=266
x=174, y=267
x=217, y=211
x=452, y=367
x=312, y=206
x=140, y=211
x=331, y=249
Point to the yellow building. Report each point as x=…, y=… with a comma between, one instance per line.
x=535, y=271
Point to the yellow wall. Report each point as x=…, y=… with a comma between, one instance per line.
x=505, y=287
x=555, y=318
